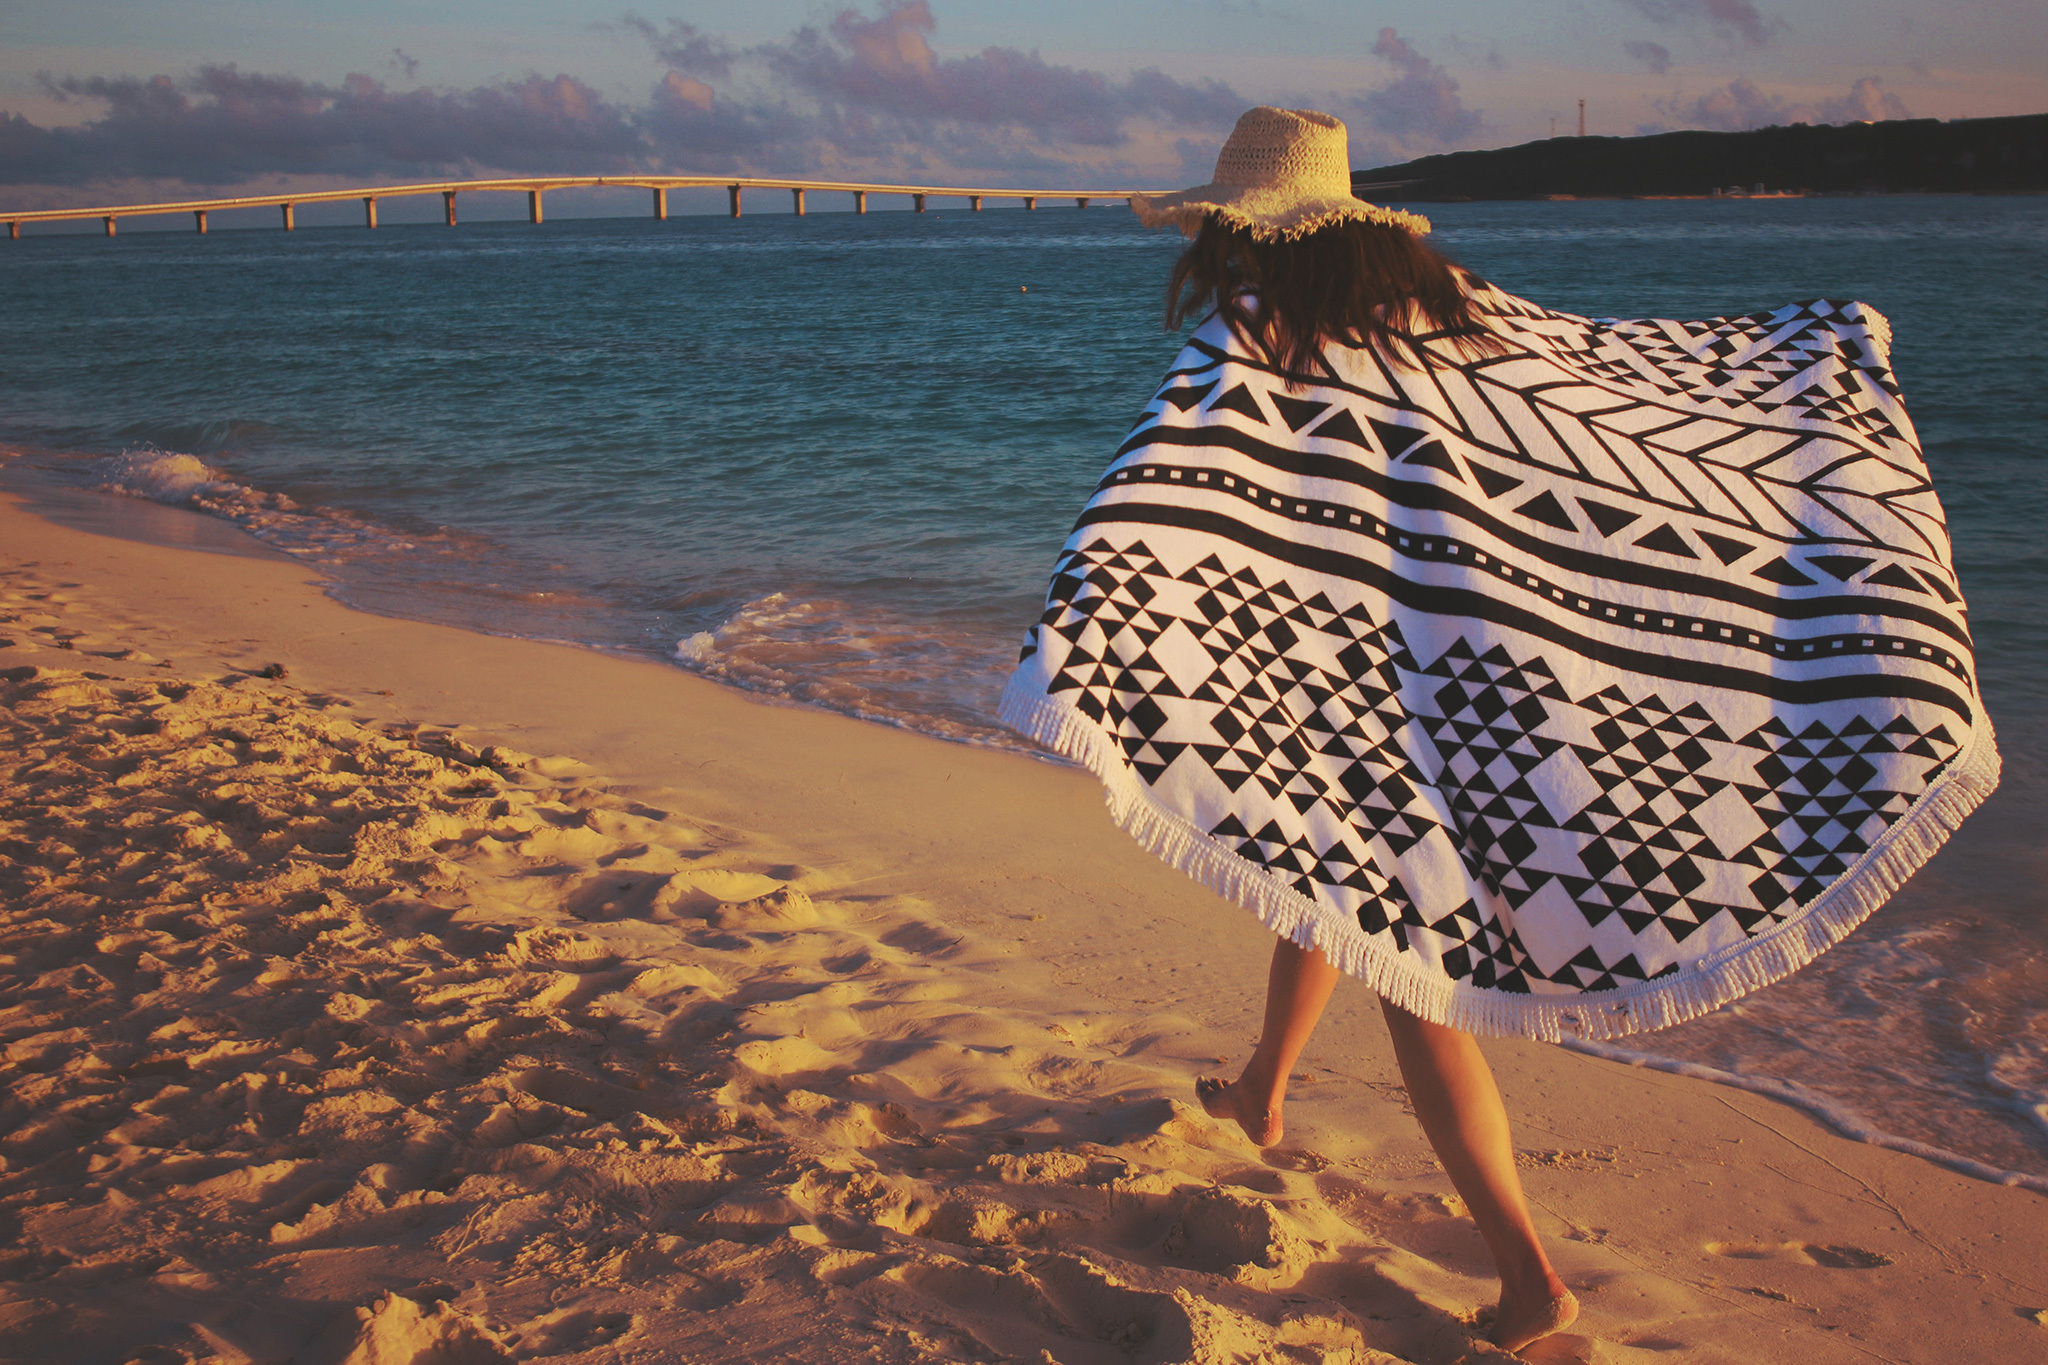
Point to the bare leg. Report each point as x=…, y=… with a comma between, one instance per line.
x=1298, y=985
x=1461, y=1112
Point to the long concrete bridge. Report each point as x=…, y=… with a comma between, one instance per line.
x=535, y=189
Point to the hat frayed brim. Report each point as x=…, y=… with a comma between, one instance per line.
x=1266, y=214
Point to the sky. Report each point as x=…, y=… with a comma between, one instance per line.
x=116, y=100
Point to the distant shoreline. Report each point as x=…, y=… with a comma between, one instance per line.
x=1767, y=194
x=2001, y=156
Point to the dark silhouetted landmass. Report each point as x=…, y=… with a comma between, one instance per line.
x=1903, y=156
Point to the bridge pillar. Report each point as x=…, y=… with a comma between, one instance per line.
x=732, y=193
x=974, y=202
x=287, y=208
x=660, y=204
x=1080, y=203
x=860, y=201
x=918, y=200
x=533, y=213
x=14, y=231
x=199, y=219
x=797, y=198
x=1030, y=201
x=448, y=205
x=369, y=212
x=109, y=221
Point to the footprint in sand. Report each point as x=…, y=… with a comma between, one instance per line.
x=574, y=1329
x=1803, y=1253
x=1222, y=1231
x=1255, y=1178
x=786, y=907
x=353, y=1003
x=396, y=1328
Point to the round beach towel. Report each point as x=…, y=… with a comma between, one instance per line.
x=1574, y=689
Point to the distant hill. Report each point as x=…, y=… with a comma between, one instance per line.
x=1902, y=156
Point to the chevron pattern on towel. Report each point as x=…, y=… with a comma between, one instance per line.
x=1577, y=688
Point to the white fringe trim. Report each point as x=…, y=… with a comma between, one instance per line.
x=1263, y=227
x=1400, y=978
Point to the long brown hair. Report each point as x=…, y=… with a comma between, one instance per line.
x=1353, y=283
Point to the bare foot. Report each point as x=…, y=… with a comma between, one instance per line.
x=1516, y=1324
x=1223, y=1099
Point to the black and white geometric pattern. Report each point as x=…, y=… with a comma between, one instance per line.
x=1548, y=672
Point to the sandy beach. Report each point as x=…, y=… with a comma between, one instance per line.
x=378, y=992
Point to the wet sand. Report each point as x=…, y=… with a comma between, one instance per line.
x=441, y=998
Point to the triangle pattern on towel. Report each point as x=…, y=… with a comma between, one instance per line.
x=1239, y=399
x=1544, y=507
x=1493, y=481
x=1666, y=540
x=1608, y=519
x=1342, y=426
x=1725, y=549
x=1660, y=645
x=1433, y=454
x=1298, y=412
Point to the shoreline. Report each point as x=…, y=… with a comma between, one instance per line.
x=125, y=513
x=132, y=517
x=198, y=506
x=959, y=1010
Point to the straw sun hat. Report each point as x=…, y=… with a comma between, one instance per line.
x=1283, y=173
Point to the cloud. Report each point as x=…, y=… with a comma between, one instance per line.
x=863, y=95
x=1488, y=53
x=1655, y=56
x=1731, y=19
x=1421, y=104
x=885, y=67
x=1251, y=9
x=1866, y=101
x=1741, y=105
x=683, y=47
x=223, y=125
x=1733, y=108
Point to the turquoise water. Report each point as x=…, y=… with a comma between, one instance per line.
x=831, y=458
x=846, y=445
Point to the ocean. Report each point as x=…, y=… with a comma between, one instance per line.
x=830, y=459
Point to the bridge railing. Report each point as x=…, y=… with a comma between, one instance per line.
x=536, y=188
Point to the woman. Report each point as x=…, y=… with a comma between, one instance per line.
x=1552, y=676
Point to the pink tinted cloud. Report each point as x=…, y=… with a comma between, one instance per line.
x=1655, y=56
x=682, y=46
x=857, y=89
x=885, y=66
x=1731, y=19
x=1421, y=104
x=1741, y=105
x=222, y=125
